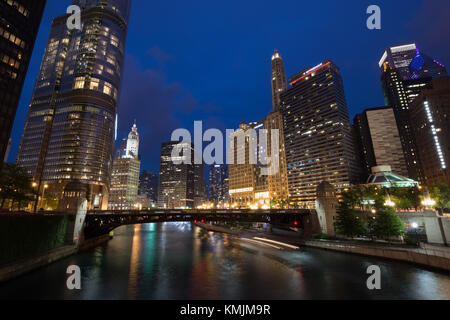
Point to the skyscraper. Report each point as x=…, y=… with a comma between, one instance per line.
x=278, y=80
x=317, y=133
x=430, y=118
x=148, y=185
x=379, y=141
x=70, y=127
x=247, y=184
x=405, y=71
x=125, y=175
x=19, y=25
x=181, y=185
x=218, y=188
x=277, y=179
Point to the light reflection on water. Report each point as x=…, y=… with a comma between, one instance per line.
x=179, y=261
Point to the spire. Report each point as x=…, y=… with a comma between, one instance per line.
x=278, y=80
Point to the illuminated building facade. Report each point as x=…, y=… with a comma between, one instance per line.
x=405, y=72
x=430, y=117
x=19, y=25
x=247, y=183
x=125, y=175
x=379, y=141
x=181, y=185
x=70, y=128
x=218, y=186
x=317, y=134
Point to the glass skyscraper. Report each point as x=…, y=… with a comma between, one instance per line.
x=19, y=25
x=405, y=72
x=70, y=129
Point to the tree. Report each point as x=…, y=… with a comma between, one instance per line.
x=348, y=223
x=405, y=198
x=15, y=185
x=440, y=192
x=387, y=224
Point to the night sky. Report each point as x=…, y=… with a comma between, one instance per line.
x=210, y=60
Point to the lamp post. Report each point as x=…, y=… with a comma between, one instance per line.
x=428, y=203
x=43, y=192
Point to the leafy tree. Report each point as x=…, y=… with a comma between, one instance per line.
x=387, y=224
x=348, y=223
x=15, y=185
x=440, y=192
x=406, y=198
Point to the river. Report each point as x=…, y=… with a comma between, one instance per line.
x=182, y=261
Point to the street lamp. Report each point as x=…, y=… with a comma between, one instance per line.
x=428, y=202
x=43, y=192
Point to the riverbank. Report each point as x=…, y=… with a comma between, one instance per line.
x=23, y=266
x=426, y=256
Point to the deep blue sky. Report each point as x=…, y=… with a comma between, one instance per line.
x=210, y=60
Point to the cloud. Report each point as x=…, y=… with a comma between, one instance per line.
x=148, y=98
x=159, y=55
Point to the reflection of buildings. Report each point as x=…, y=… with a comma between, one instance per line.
x=125, y=175
x=405, y=71
x=379, y=141
x=317, y=133
x=181, y=182
x=218, y=184
x=69, y=132
x=19, y=25
x=148, y=185
x=430, y=119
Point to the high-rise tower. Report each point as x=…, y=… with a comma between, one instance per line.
x=125, y=175
x=279, y=83
x=19, y=25
x=317, y=133
x=70, y=129
x=405, y=72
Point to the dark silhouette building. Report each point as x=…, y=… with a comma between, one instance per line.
x=148, y=185
x=218, y=184
x=19, y=25
x=430, y=118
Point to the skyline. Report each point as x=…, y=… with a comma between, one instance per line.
x=167, y=74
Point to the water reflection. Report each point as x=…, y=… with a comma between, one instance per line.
x=179, y=261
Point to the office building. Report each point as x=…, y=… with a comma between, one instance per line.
x=148, y=185
x=19, y=25
x=218, y=188
x=181, y=182
x=278, y=79
x=317, y=134
x=248, y=183
x=430, y=119
x=70, y=128
x=125, y=176
x=379, y=141
x=405, y=72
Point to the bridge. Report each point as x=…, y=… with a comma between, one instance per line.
x=98, y=223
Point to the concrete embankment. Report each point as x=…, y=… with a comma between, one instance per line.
x=427, y=256
x=21, y=267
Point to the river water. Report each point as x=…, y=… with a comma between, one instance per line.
x=182, y=261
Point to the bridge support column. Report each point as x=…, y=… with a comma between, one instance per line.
x=74, y=202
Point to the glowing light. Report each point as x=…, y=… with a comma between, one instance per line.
x=277, y=242
x=415, y=225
